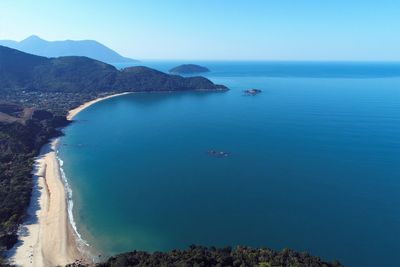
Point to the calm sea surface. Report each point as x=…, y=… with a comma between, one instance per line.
x=314, y=163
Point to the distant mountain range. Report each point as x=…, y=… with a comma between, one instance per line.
x=88, y=48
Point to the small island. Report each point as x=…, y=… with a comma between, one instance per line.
x=252, y=91
x=188, y=69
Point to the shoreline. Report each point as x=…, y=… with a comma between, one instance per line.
x=49, y=237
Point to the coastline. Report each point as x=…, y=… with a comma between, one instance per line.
x=49, y=236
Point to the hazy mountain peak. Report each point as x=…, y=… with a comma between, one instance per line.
x=32, y=38
x=87, y=48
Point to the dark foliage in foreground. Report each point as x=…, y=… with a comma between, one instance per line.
x=197, y=256
x=200, y=256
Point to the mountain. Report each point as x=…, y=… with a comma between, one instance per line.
x=72, y=74
x=60, y=84
x=88, y=48
x=188, y=69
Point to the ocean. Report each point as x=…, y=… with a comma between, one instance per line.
x=313, y=163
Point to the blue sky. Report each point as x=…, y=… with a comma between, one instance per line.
x=216, y=29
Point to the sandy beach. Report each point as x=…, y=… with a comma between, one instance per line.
x=72, y=113
x=47, y=237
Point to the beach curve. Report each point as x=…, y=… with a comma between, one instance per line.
x=47, y=237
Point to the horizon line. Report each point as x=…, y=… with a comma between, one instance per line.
x=276, y=60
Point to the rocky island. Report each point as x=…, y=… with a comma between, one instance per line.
x=188, y=69
x=252, y=91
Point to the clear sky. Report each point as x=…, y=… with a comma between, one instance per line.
x=216, y=29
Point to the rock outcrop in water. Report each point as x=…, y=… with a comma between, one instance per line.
x=252, y=91
x=218, y=154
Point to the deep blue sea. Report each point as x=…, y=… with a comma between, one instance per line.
x=313, y=165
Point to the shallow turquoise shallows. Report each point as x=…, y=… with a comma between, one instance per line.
x=314, y=163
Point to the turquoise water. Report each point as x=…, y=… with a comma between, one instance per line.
x=314, y=163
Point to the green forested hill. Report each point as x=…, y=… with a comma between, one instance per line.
x=29, y=73
x=59, y=84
